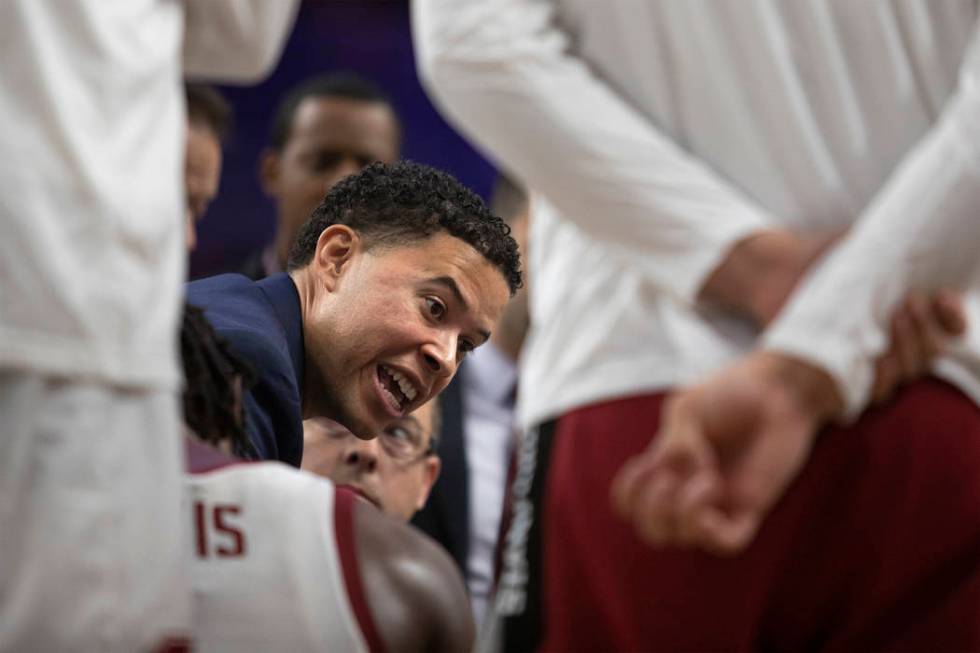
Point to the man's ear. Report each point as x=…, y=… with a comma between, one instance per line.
x=335, y=247
x=269, y=168
x=433, y=465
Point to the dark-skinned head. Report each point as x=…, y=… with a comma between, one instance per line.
x=401, y=272
x=324, y=129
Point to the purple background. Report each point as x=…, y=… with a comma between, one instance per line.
x=369, y=37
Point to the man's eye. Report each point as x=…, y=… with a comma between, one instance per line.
x=436, y=308
x=465, y=347
x=398, y=433
x=325, y=161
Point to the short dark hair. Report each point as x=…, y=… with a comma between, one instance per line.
x=344, y=85
x=207, y=107
x=213, y=406
x=407, y=202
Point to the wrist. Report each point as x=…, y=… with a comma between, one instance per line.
x=756, y=275
x=812, y=390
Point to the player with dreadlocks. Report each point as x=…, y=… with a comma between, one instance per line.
x=214, y=381
x=274, y=545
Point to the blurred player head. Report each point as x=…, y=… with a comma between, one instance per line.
x=208, y=122
x=401, y=271
x=395, y=471
x=214, y=382
x=325, y=129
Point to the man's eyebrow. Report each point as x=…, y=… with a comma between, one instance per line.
x=453, y=287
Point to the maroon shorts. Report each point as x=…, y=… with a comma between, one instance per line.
x=876, y=546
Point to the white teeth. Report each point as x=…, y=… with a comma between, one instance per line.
x=403, y=383
x=394, y=399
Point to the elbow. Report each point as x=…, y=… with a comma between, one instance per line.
x=254, y=63
x=248, y=66
x=257, y=66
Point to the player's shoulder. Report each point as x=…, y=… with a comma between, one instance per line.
x=277, y=476
x=233, y=304
x=277, y=479
x=407, y=567
x=394, y=539
x=220, y=290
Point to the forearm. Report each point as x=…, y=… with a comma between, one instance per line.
x=759, y=272
x=922, y=232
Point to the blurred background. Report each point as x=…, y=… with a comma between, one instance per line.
x=369, y=37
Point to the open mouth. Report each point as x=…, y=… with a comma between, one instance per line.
x=397, y=391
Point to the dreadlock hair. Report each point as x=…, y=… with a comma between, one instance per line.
x=215, y=382
x=405, y=203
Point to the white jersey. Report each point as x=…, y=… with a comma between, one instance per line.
x=274, y=566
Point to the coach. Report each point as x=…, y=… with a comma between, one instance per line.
x=396, y=276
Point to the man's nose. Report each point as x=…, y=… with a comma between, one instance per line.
x=363, y=455
x=439, y=355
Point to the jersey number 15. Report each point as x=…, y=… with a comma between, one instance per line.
x=217, y=535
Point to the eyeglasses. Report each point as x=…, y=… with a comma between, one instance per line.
x=405, y=441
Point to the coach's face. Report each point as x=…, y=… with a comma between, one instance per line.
x=385, y=328
x=395, y=471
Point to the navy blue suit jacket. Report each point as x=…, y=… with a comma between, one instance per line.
x=263, y=324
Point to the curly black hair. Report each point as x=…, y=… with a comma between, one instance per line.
x=406, y=202
x=215, y=382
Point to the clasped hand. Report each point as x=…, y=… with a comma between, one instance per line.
x=728, y=447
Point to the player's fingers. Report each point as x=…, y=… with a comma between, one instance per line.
x=654, y=514
x=906, y=344
x=698, y=495
x=927, y=329
x=886, y=377
x=726, y=534
x=948, y=309
x=628, y=482
x=634, y=478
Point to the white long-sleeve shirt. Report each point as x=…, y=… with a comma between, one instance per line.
x=91, y=173
x=657, y=133
x=488, y=432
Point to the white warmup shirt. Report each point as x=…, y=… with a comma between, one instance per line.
x=489, y=432
x=658, y=133
x=91, y=173
x=273, y=558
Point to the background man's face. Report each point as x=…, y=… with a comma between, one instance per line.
x=202, y=172
x=391, y=326
x=395, y=471
x=330, y=138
